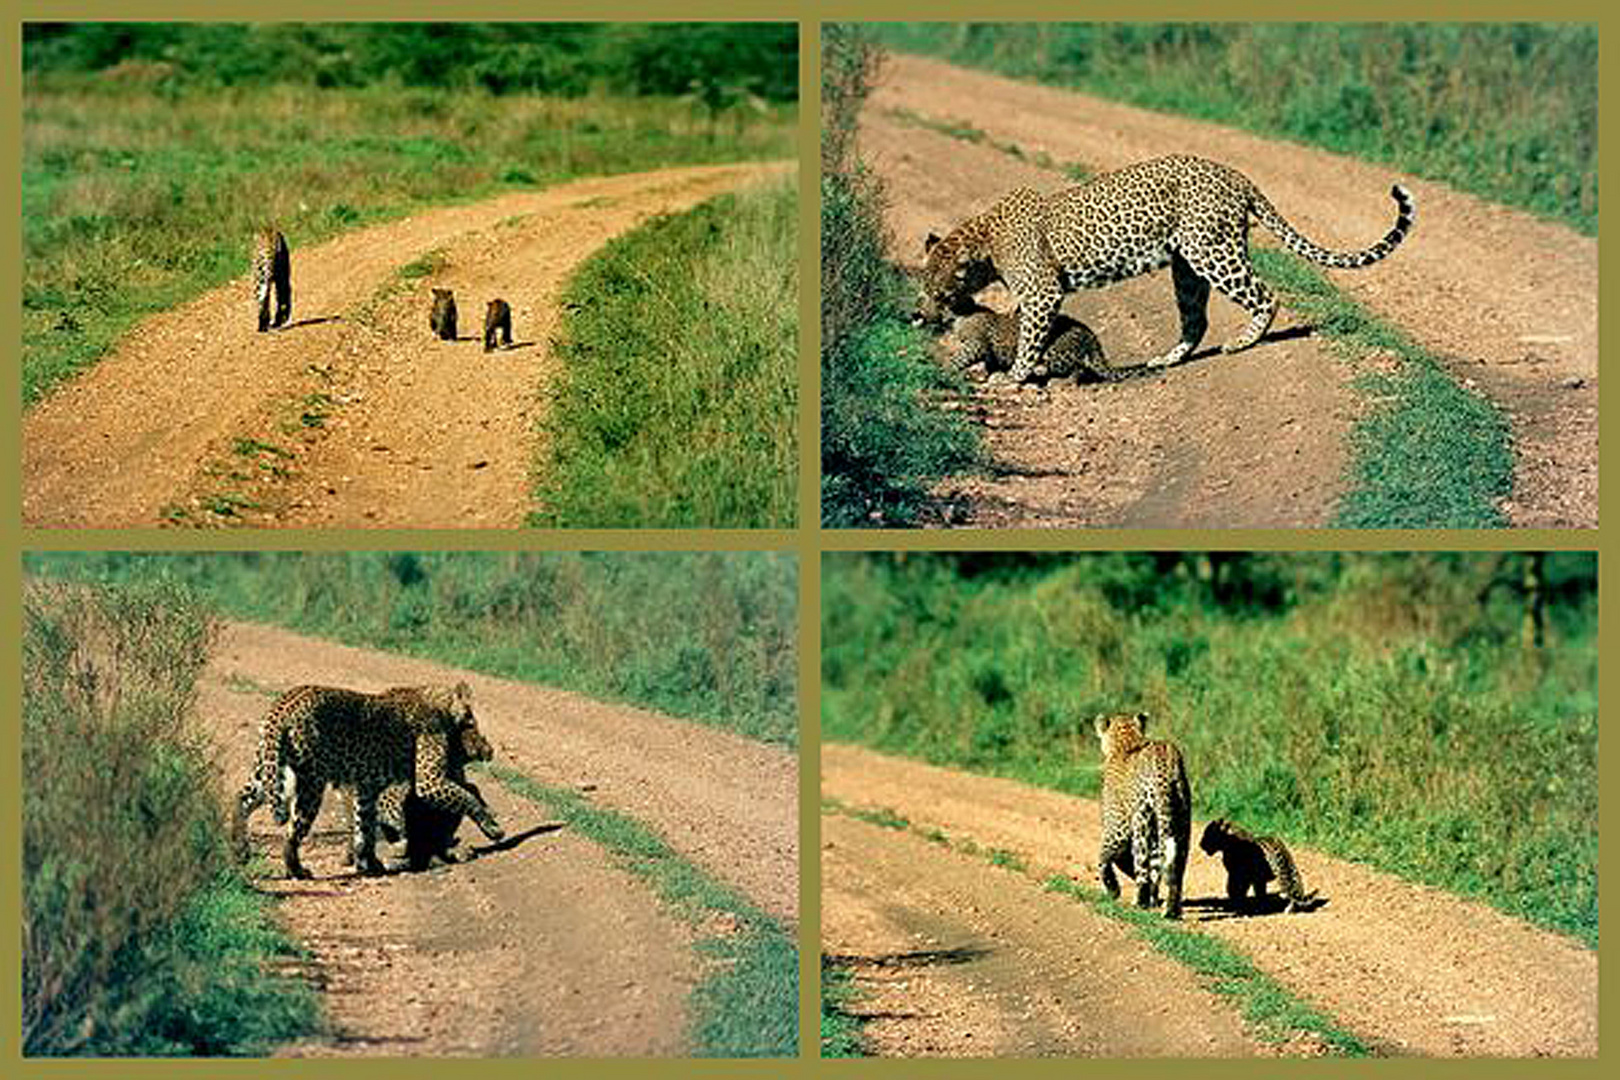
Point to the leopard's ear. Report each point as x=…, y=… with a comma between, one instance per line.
x=1142, y=721
x=1101, y=724
x=928, y=244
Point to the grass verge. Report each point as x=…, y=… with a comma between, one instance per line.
x=748, y=1002
x=1272, y=1013
x=677, y=403
x=140, y=938
x=1430, y=454
x=884, y=444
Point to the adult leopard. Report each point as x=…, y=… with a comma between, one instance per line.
x=1185, y=211
x=1146, y=812
x=366, y=743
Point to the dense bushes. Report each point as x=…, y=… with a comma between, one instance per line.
x=138, y=938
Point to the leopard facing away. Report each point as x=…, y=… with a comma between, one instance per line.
x=1146, y=812
x=272, y=272
x=1251, y=861
x=991, y=337
x=1185, y=211
x=366, y=743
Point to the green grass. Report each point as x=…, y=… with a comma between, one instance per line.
x=709, y=636
x=1507, y=111
x=138, y=196
x=140, y=938
x=884, y=443
x=1429, y=454
x=748, y=1002
x=1272, y=1012
x=840, y=1030
x=677, y=405
x=1359, y=703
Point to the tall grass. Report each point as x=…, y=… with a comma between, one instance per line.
x=882, y=445
x=1507, y=111
x=137, y=196
x=710, y=636
x=1384, y=708
x=138, y=937
x=678, y=400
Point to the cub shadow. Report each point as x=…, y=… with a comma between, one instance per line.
x=1221, y=907
x=964, y=954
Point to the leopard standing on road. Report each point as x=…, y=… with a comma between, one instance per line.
x=366, y=743
x=1146, y=812
x=272, y=271
x=1185, y=211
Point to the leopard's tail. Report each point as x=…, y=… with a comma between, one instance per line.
x=1405, y=215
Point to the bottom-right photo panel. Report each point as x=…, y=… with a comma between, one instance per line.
x=1209, y=804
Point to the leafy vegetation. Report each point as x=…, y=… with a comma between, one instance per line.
x=882, y=443
x=677, y=405
x=1507, y=111
x=1433, y=714
x=748, y=1004
x=139, y=937
x=150, y=152
x=705, y=635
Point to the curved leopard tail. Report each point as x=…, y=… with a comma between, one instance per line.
x=1405, y=215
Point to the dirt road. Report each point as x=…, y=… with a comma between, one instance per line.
x=1257, y=438
x=542, y=947
x=372, y=421
x=963, y=957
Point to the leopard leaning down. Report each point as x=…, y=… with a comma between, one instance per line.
x=366, y=743
x=1185, y=211
x=991, y=337
x=1146, y=812
x=272, y=271
x=1251, y=861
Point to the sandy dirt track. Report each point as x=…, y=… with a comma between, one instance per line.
x=544, y=946
x=1406, y=968
x=416, y=432
x=1257, y=438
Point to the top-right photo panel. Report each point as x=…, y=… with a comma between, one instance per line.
x=1095, y=275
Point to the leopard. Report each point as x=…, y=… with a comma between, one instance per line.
x=366, y=742
x=272, y=272
x=497, y=324
x=442, y=319
x=1146, y=812
x=991, y=337
x=1186, y=211
x=1251, y=861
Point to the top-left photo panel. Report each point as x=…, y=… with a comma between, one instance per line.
x=437, y=275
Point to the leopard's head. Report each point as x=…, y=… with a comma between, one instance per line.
x=953, y=272
x=1121, y=734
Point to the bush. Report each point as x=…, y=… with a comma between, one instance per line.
x=883, y=445
x=137, y=937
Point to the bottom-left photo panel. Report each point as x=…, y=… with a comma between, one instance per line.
x=410, y=804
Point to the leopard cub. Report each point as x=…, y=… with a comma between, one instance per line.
x=1251, y=861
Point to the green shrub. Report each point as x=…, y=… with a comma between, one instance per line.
x=137, y=936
